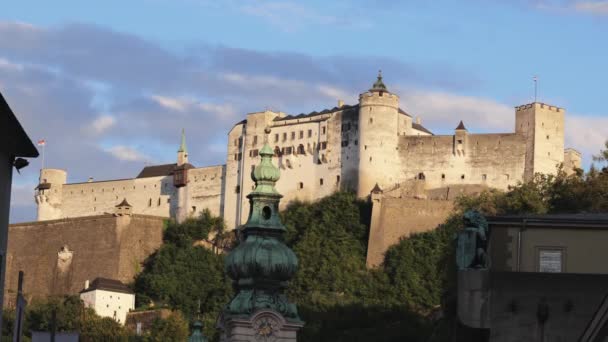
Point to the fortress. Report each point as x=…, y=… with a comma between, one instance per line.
x=372, y=144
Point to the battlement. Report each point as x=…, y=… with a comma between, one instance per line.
x=539, y=105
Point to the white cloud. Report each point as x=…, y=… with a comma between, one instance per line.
x=592, y=7
x=586, y=133
x=100, y=125
x=172, y=103
x=10, y=66
x=446, y=110
x=127, y=153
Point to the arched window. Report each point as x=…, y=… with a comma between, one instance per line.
x=277, y=151
x=301, y=149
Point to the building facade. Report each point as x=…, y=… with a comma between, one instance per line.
x=349, y=147
x=109, y=298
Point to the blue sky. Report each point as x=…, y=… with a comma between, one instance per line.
x=110, y=86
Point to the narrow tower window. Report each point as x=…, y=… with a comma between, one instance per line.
x=321, y=181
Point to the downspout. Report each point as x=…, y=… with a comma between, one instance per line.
x=519, y=233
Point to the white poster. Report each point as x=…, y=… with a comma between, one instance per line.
x=550, y=261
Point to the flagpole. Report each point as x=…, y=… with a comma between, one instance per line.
x=535, y=88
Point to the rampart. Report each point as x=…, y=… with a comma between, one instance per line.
x=58, y=256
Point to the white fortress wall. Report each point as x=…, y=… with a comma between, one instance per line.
x=205, y=190
x=495, y=160
x=149, y=196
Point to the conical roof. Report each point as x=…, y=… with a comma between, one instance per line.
x=182, y=145
x=124, y=203
x=461, y=126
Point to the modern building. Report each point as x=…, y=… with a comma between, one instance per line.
x=109, y=297
x=14, y=146
x=351, y=147
x=545, y=279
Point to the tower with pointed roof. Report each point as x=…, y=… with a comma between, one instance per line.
x=182, y=152
x=260, y=267
x=378, y=138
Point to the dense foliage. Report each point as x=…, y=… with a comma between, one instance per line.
x=185, y=273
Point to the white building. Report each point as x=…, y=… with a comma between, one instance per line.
x=109, y=298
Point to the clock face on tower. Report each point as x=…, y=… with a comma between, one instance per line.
x=265, y=329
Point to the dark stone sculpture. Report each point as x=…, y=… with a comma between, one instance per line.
x=472, y=242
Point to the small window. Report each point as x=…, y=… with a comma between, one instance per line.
x=338, y=179
x=169, y=200
x=356, y=142
x=323, y=130
x=461, y=176
x=301, y=134
x=287, y=150
x=371, y=120
x=159, y=201
x=344, y=143
x=310, y=133
x=253, y=153
x=255, y=140
x=284, y=136
x=484, y=177
x=321, y=181
x=551, y=260
x=370, y=159
x=460, y=142
x=240, y=140
x=300, y=185
x=421, y=176
x=443, y=176
x=193, y=208
x=150, y=202
x=293, y=135
x=301, y=149
x=276, y=137
x=237, y=189
x=547, y=137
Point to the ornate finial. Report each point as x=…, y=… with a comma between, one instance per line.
x=182, y=146
x=379, y=84
x=267, y=131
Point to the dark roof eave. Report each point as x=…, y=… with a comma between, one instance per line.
x=14, y=138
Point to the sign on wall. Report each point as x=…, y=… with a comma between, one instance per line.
x=550, y=261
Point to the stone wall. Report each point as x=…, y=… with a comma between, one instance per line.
x=569, y=301
x=58, y=256
x=397, y=218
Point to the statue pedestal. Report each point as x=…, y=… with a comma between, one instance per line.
x=263, y=326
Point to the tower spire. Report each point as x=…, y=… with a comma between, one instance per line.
x=261, y=264
x=182, y=152
x=182, y=145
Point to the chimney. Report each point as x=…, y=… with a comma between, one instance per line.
x=418, y=121
x=340, y=103
x=86, y=284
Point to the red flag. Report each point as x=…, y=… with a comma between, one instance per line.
x=41, y=142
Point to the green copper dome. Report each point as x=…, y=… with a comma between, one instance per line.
x=379, y=84
x=261, y=264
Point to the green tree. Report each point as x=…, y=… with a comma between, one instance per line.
x=173, y=328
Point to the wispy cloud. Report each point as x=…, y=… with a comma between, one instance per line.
x=100, y=125
x=592, y=7
x=127, y=153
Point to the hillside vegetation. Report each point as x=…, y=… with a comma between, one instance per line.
x=409, y=298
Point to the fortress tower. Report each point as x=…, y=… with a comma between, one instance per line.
x=180, y=180
x=49, y=193
x=378, y=138
x=542, y=127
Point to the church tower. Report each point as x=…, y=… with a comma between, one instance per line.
x=260, y=267
x=180, y=180
x=378, y=138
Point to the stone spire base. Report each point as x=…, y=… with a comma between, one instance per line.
x=263, y=326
